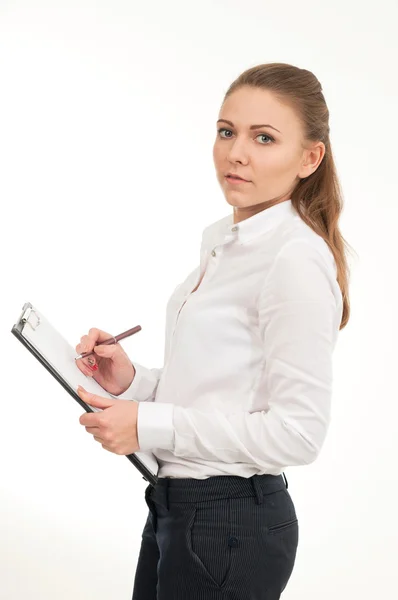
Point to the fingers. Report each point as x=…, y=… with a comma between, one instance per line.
x=98, y=336
x=87, y=344
x=85, y=368
x=88, y=366
x=95, y=336
x=107, y=351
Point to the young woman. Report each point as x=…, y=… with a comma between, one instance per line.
x=246, y=386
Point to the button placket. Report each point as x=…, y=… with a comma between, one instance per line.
x=208, y=267
x=186, y=298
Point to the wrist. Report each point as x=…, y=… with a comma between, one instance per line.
x=132, y=377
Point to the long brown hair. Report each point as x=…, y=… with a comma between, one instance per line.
x=319, y=194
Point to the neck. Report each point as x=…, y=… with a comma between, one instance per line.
x=240, y=214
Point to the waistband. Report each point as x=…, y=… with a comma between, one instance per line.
x=168, y=490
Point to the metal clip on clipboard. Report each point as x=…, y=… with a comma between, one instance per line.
x=26, y=316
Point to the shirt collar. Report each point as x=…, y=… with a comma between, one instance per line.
x=251, y=227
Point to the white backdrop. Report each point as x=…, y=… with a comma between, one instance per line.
x=108, y=117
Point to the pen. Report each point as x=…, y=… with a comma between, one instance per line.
x=112, y=340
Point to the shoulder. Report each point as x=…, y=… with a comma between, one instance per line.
x=298, y=242
x=303, y=267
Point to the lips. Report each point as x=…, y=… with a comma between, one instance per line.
x=235, y=176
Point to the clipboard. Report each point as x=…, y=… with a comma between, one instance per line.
x=51, y=349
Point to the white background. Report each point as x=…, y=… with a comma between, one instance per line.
x=108, y=117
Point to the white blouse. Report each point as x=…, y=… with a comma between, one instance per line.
x=246, y=384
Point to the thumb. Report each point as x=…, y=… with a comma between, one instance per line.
x=93, y=399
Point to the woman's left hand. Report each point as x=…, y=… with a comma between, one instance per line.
x=115, y=427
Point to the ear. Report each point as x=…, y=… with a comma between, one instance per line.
x=313, y=157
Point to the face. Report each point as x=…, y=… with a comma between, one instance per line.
x=271, y=161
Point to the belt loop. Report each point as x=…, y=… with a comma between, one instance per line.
x=257, y=489
x=284, y=476
x=167, y=492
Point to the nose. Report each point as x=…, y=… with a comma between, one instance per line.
x=237, y=152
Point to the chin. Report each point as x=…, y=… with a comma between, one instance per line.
x=236, y=204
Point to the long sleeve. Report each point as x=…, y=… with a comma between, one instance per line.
x=157, y=424
x=144, y=385
x=299, y=314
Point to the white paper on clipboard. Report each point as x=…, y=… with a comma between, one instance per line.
x=57, y=351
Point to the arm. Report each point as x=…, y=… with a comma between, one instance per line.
x=299, y=314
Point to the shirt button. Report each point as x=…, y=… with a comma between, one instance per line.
x=234, y=229
x=213, y=253
x=233, y=542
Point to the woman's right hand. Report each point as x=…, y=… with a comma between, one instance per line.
x=115, y=372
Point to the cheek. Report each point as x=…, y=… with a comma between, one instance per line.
x=279, y=162
x=219, y=164
x=217, y=155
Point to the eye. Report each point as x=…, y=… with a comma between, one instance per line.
x=260, y=135
x=267, y=136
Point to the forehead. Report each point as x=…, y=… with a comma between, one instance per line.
x=253, y=105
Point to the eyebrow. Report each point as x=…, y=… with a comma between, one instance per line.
x=251, y=126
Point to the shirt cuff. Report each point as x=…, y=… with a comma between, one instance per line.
x=132, y=390
x=155, y=428
x=143, y=384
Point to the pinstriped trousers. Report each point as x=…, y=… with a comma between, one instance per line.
x=225, y=537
